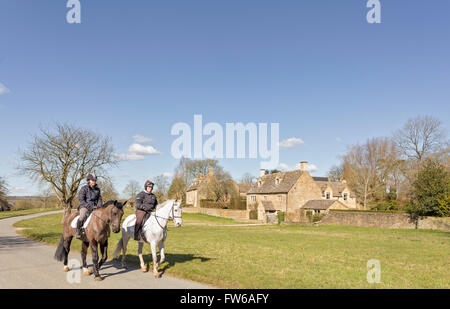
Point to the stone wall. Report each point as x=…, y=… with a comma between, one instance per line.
x=384, y=220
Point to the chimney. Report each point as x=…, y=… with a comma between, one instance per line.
x=262, y=172
x=304, y=166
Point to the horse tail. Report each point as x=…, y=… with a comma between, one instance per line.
x=119, y=247
x=60, y=251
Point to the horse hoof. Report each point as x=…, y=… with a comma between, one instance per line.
x=66, y=269
x=158, y=275
x=144, y=269
x=124, y=267
x=99, y=278
x=86, y=272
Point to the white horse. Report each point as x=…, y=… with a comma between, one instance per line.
x=155, y=232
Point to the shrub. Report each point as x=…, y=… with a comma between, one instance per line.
x=281, y=216
x=213, y=204
x=253, y=214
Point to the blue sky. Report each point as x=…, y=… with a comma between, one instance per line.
x=137, y=67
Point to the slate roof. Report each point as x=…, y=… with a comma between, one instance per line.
x=320, y=204
x=268, y=205
x=336, y=187
x=287, y=180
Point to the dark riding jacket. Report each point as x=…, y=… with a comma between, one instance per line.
x=90, y=198
x=146, y=201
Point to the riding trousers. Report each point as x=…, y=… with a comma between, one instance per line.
x=141, y=217
x=84, y=212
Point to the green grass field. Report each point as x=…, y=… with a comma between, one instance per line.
x=226, y=254
x=17, y=213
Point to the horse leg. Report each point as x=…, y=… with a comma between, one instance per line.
x=94, y=252
x=84, y=249
x=125, y=240
x=104, y=250
x=155, y=260
x=161, y=253
x=141, y=258
x=67, y=243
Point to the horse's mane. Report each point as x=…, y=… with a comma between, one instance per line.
x=107, y=204
x=111, y=203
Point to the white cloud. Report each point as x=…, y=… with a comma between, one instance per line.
x=128, y=157
x=310, y=167
x=3, y=89
x=142, y=150
x=137, y=152
x=141, y=139
x=124, y=175
x=291, y=142
x=284, y=167
x=167, y=174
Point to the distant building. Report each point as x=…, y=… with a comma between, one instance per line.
x=294, y=190
x=198, y=189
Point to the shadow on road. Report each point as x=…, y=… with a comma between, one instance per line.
x=171, y=260
x=12, y=242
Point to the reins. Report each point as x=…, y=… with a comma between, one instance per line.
x=168, y=218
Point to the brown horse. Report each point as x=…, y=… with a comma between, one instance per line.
x=97, y=233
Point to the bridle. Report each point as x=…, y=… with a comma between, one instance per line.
x=170, y=217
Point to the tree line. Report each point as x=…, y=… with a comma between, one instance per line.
x=408, y=170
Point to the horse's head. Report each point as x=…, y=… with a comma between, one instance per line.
x=177, y=213
x=116, y=215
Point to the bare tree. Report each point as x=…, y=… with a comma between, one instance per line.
x=62, y=157
x=162, y=184
x=367, y=167
x=248, y=179
x=131, y=190
x=3, y=195
x=109, y=193
x=177, y=189
x=45, y=197
x=336, y=173
x=420, y=137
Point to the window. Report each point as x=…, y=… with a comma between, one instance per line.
x=259, y=183
x=277, y=181
x=265, y=197
x=345, y=196
x=280, y=198
x=328, y=195
x=253, y=198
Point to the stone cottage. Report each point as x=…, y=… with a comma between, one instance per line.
x=198, y=189
x=290, y=191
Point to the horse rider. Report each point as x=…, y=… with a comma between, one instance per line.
x=146, y=202
x=90, y=198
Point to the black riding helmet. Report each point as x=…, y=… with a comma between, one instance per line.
x=148, y=183
x=91, y=177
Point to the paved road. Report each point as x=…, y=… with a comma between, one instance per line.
x=25, y=263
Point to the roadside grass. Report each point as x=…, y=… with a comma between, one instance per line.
x=275, y=256
x=17, y=213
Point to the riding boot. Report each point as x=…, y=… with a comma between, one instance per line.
x=79, y=232
x=137, y=233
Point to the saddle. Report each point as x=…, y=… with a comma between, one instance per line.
x=75, y=220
